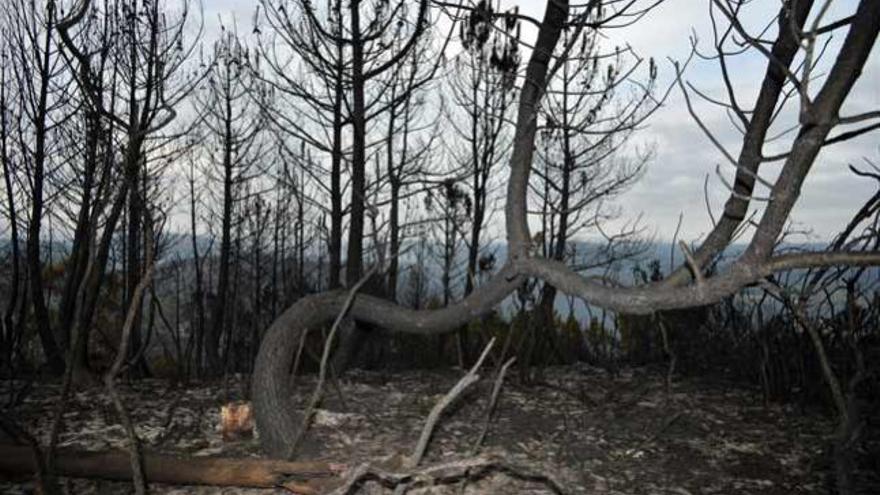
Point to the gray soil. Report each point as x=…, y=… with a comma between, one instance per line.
x=590, y=431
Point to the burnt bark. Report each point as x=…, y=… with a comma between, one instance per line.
x=355, y=263
x=11, y=328
x=37, y=199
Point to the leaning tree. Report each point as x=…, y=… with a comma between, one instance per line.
x=789, y=77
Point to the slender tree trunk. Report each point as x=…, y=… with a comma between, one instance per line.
x=11, y=329
x=256, y=323
x=394, y=207
x=301, y=235
x=351, y=337
x=35, y=266
x=275, y=231
x=394, y=241
x=547, y=302
x=134, y=266
x=197, y=265
x=218, y=320
x=354, y=263
x=76, y=315
x=476, y=168
x=232, y=346
x=95, y=279
x=79, y=255
x=336, y=190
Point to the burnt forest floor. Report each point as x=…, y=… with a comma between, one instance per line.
x=594, y=432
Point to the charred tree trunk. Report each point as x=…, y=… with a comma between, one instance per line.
x=336, y=185
x=218, y=325
x=394, y=207
x=95, y=280
x=38, y=163
x=80, y=249
x=135, y=264
x=352, y=337
x=11, y=328
x=354, y=263
x=199, y=296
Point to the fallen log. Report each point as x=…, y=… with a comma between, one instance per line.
x=216, y=471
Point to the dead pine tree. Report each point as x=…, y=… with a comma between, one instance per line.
x=234, y=145
x=481, y=86
x=15, y=307
x=482, y=89
x=297, y=107
x=597, y=99
x=410, y=139
x=34, y=77
x=348, y=54
x=133, y=93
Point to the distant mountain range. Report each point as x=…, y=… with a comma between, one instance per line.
x=179, y=247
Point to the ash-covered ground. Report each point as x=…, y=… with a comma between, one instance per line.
x=593, y=432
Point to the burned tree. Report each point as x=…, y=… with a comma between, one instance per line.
x=312, y=95
x=482, y=90
x=370, y=61
x=405, y=161
x=130, y=92
x=592, y=107
x=348, y=55
x=233, y=122
x=36, y=70
x=14, y=313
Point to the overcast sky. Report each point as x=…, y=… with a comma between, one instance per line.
x=674, y=182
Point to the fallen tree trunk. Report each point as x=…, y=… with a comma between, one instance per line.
x=115, y=465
